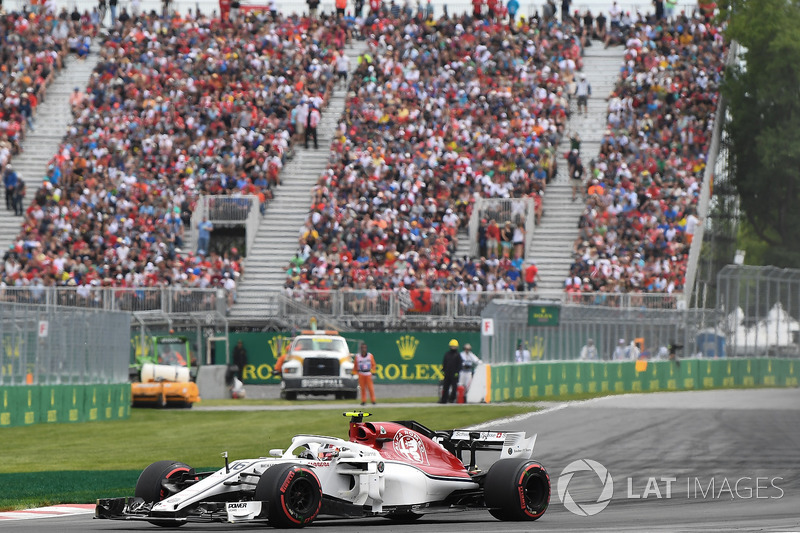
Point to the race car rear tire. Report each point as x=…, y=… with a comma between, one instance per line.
x=150, y=485
x=517, y=490
x=293, y=494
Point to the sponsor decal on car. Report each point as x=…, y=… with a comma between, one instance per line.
x=410, y=445
x=287, y=481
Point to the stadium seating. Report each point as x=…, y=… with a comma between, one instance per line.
x=438, y=114
x=643, y=189
x=33, y=50
x=175, y=109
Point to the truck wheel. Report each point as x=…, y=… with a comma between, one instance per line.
x=293, y=495
x=151, y=484
x=351, y=395
x=517, y=490
x=290, y=395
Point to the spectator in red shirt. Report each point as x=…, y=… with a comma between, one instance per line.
x=531, y=276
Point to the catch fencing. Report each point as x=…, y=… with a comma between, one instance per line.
x=759, y=310
x=552, y=331
x=55, y=346
x=422, y=307
x=757, y=315
x=167, y=300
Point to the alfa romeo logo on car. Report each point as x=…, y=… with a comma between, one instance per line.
x=409, y=445
x=585, y=509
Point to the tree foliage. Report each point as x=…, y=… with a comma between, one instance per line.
x=763, y=93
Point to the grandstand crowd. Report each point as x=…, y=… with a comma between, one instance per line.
x=32, y=50
x=643, y=186
x=176, y=108
x=439, y=112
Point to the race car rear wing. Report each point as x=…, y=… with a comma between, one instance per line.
x=457, y=441
x=510, y=444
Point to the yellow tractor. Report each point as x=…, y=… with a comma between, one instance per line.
x=163, y=376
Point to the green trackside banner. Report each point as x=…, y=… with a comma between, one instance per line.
x=25, y=405
x=402, y=357
x=545, y=380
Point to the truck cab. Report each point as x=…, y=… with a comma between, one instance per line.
x=318, y=363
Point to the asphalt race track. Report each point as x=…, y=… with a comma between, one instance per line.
x=682, y=461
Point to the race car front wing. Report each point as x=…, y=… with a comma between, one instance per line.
x=138, y=509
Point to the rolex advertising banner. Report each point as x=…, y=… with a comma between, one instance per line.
x=400, y=357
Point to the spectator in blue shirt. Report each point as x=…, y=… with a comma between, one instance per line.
x=10, y=181
x=204, y=230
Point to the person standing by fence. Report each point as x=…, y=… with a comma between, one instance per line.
x=451, y=367
x=364, y=366
x=240, y=359
x=469, y=361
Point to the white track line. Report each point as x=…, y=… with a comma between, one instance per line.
x=49, y=512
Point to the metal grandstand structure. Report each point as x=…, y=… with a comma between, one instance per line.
x=718, y=210
x=233, y=210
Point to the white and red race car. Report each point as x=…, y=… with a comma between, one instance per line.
x=398, y=470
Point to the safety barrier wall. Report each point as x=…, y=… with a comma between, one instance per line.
x=50, y=404
x=555, y=379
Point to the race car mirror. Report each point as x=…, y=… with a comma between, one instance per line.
x=276, y=452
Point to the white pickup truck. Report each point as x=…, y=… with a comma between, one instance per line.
x=319, y=363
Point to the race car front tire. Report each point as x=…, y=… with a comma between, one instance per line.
x=150, y=485
x=517, y=490
x=293, y=494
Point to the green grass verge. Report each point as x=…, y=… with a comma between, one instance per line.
x=78, y=463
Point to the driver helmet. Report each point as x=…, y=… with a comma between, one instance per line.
x=326, y=452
